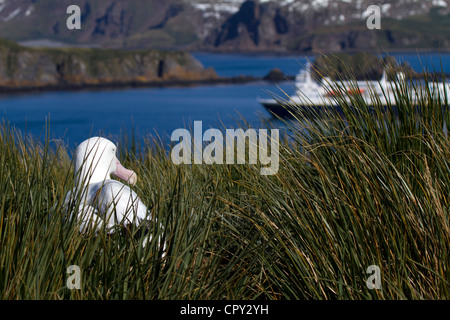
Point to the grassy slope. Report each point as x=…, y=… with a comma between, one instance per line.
x=372, y=189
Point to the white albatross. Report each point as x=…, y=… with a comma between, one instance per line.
x=102, y=202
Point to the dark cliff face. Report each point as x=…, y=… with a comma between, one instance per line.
x=244, y=24
x=253, y=27
x=22, y=67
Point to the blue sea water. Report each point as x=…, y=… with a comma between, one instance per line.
x=75, y=116
x=249, y=64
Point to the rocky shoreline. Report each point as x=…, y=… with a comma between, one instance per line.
x=272, y=77
x=132, y=84
x=24, y=69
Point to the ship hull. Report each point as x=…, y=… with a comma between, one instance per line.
x=291, y=109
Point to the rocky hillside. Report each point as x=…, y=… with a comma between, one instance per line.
x=27, y=68
x=232, y=25
x=322, y=25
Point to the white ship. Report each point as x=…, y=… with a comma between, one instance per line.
x=312, y=95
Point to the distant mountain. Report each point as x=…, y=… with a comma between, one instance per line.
x=231, y=25
x=322, y=25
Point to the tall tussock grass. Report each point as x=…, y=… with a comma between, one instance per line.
x=367, y=186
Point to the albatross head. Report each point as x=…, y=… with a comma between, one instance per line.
x=96, y=161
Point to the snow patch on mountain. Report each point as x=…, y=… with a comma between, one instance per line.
x=12, y=15
x=29, y=11
x=439, y=3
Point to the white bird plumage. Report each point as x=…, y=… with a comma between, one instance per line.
x=101, y=201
